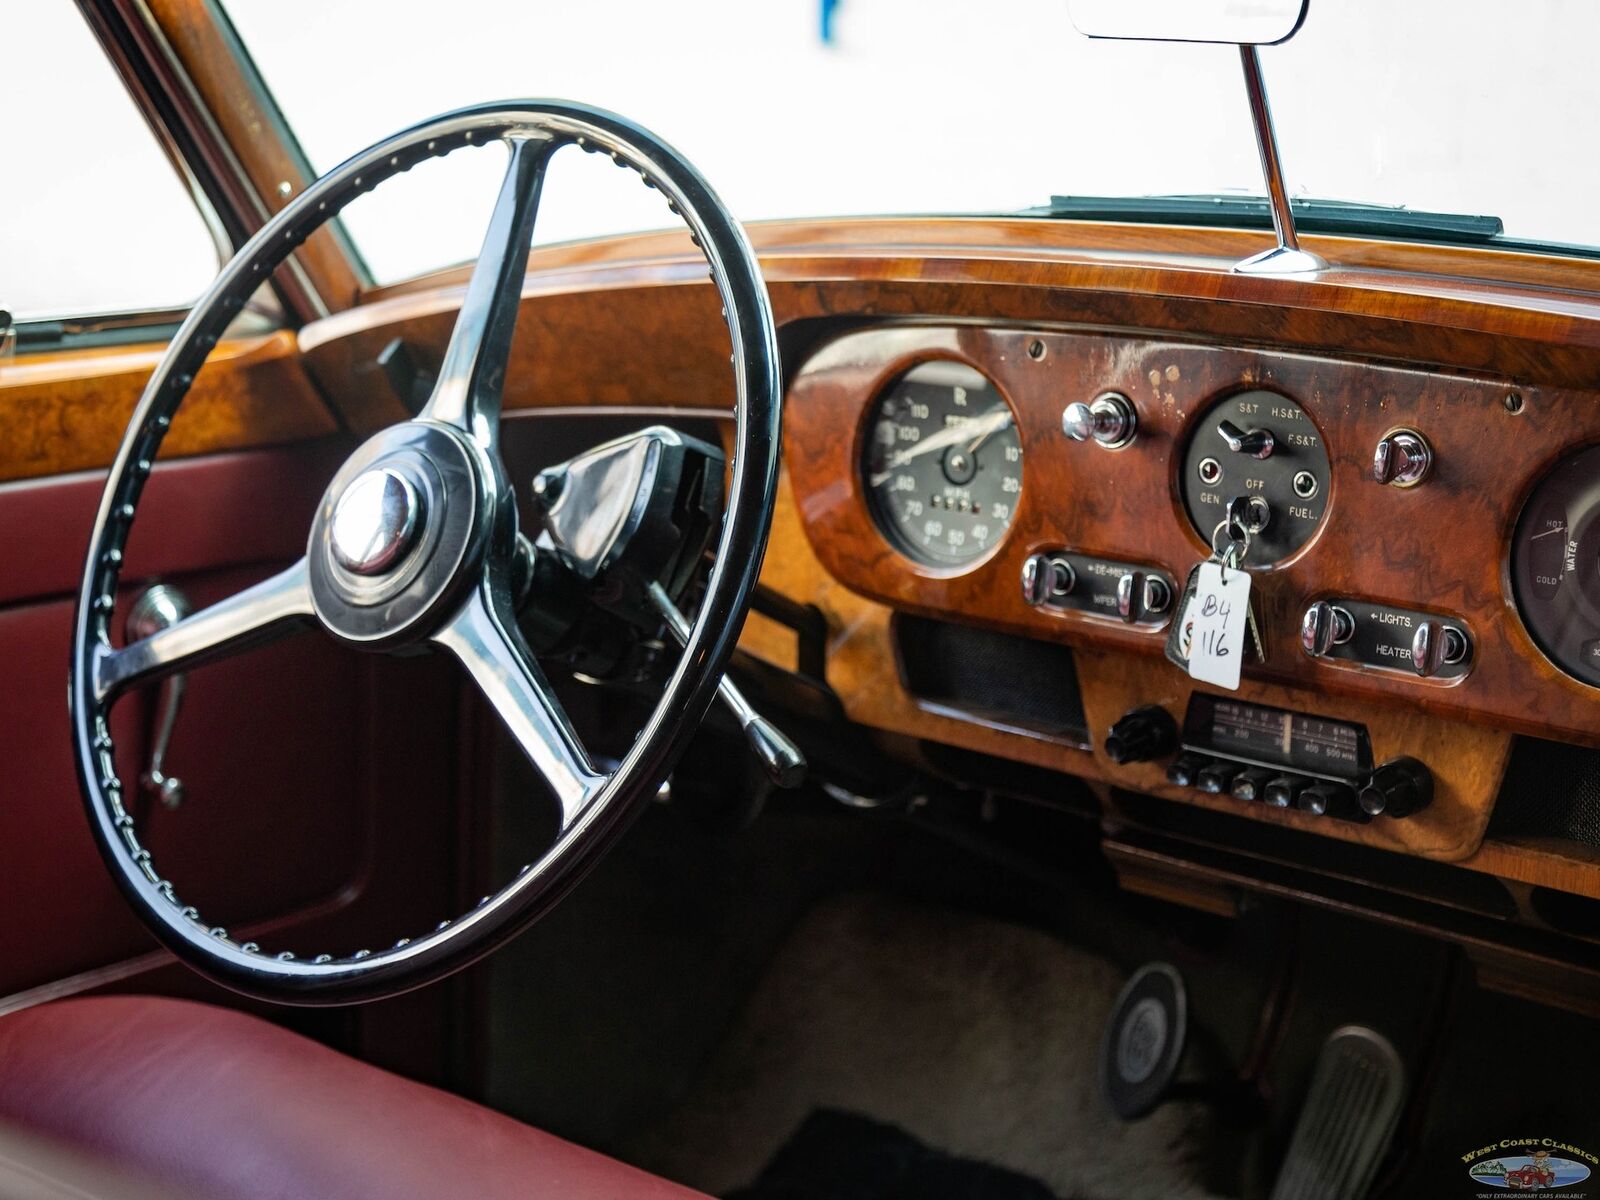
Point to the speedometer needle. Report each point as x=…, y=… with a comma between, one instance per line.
x=991, y=422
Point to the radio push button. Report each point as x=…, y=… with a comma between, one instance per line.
x=1282, y=791
x=1215, y=778
x=1184, y=770
x=1249, y=784
x=1326, y=798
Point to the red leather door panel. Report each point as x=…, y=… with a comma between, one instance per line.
x=319, y=781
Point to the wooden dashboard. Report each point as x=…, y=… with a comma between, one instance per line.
x=1394, y=335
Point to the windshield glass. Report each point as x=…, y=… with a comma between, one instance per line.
x=946, y=107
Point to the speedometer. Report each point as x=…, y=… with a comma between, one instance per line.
x=943, y=464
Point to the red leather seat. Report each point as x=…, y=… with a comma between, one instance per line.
x=220, y=1104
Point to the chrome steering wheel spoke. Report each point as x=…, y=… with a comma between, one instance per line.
x=484, y=636
x=472, y=376
x=257, y=616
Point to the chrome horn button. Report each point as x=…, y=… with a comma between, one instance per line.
x=375, y=522
x=398, y=536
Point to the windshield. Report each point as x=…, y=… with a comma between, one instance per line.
x=946, y=107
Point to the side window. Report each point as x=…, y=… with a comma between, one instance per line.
x=93, y=217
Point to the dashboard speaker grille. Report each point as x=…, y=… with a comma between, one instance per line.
x=998, y=677
x=1550, y=790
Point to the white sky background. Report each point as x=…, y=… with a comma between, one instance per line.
x=1483, y=106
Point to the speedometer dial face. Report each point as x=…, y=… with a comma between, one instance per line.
x=1555, y=565
x=943, y=464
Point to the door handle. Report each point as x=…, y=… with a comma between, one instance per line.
x=157, y=608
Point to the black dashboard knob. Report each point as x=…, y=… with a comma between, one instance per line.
x=1398, y=788
x=1142, y=734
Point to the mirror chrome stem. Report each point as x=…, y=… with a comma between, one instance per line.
x=780, y=758
x=1286, y=257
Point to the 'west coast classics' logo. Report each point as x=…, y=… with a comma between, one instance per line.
x=1531, y=1165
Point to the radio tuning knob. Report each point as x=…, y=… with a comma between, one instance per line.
x=1324, y=627
x=1257, y=443
x=1402, y=459
x=1109, y=420
x=1142, y=734
x=1436, y=645
x=1399, y=788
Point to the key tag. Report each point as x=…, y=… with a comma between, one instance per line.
x=1216, y=622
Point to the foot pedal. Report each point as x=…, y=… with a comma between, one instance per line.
x=1348, y=1120
x=1144, y=1041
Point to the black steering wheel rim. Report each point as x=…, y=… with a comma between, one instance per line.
x=94, y=680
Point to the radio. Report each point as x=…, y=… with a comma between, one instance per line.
x=1287, y=759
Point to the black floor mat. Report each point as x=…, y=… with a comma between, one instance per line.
x=840, y=1156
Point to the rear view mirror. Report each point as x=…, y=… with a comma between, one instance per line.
x=1240, y=22
x=1243, y=23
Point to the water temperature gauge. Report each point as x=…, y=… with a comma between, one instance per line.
x=1555, y=565
x=942, y=464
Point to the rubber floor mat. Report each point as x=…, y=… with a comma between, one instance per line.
x=840, y=1156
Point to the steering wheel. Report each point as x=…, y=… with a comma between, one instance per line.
x=414, y=543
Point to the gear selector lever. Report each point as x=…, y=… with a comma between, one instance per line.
x=780, y=758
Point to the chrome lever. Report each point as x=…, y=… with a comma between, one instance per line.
x=157, y=608
x=779, y=757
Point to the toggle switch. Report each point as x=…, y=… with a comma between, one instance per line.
x=1436, y=645
x=1047, y=577
x=1402, y=459
x=1109, y=420
x=1257, y=443
x=1324, y=627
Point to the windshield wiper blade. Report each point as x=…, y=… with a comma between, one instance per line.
x=1251, y=212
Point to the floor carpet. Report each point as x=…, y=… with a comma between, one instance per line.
x=976, y=1038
